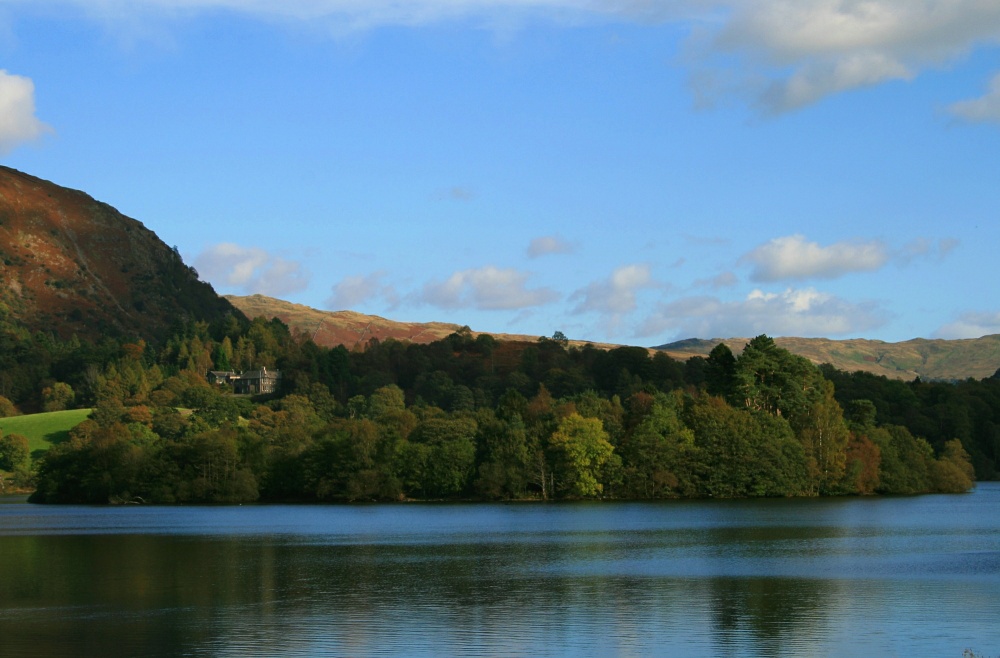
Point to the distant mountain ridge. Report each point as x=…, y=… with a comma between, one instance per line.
x=930, y=359
x=353, y=330
x=332, y=328
x=72, y=265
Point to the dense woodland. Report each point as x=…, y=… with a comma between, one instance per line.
x=473, y=418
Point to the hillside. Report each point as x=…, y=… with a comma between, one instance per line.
x=73, y=265
x=353, y=330
x=332, y=328
x=45, y=429
x=928, y=359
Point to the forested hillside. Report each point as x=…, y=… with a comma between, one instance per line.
x=472, y=417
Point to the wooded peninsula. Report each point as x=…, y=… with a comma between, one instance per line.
x=472, y=418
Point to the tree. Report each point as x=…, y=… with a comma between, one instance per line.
x=14, y=452
x=450, y=454
x=824, y=436
x=952, y=472
x=861, y=472
x=659, y=453
x=582, y=449
x=744, y=454
x=504, y=456
x=7, y=408
x=57, y=397
x=775, y=381
x=720, y=372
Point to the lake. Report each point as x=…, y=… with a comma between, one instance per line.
x=913, y=576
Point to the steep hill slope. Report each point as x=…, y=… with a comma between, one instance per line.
x=73, y=265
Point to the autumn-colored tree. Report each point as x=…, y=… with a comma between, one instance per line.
x=57, y=397
x=7, y=408
x=861, y=472
x=14, y=452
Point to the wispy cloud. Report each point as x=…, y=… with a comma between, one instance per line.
x=456, y=193
x=250, y=270
x=549, y=245
x=971, y=325
x=353, y=291
x=795, y=258
x=18, y=123
x=779, y=54
x=724, y=280
x=804, y=312
x=925, y=249
x=986, y=108
x=487, y=288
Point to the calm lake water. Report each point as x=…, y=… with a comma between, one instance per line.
x=840, y=577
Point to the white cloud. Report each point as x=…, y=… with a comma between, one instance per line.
x=353, y=291
x=250, y=270
x=795, y=52
x=616, y=294
x=805, y=312
x=487, y=288
x=986, y=108
x=18, y=123
x=614, y=297
x=971, y=325
x=549, y=244
x=794, y=258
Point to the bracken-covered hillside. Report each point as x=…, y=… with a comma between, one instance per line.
x=72, y=265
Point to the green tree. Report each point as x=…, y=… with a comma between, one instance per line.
x=14, y=452
x=775, y=381
x=582, y=449
x=743, y=454
x=824, y=437
x=449, y=459
x=720, y=372
x=905, y=463
x=504, y=456
x=659, y=454
x=952, y=472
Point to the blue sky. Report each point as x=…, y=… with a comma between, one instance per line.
x=629, y=171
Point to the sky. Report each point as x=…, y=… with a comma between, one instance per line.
x=627, y=171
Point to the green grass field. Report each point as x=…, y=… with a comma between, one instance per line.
x=44, y=430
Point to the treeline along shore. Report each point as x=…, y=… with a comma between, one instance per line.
x=468, y=417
